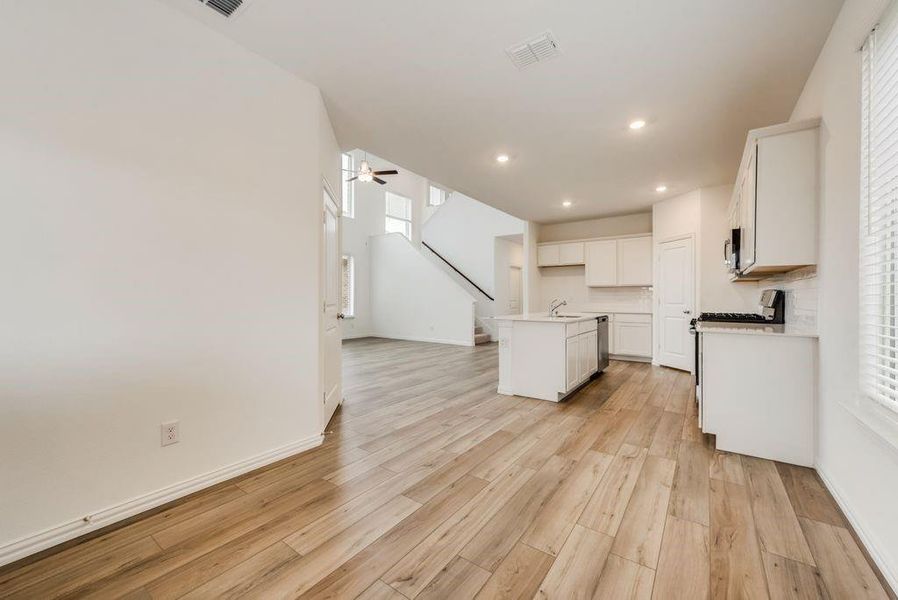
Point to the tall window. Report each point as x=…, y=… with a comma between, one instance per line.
x=348, y=186
x=348, y=286
x=437, y=196
x=399, y=215
x=879, y=214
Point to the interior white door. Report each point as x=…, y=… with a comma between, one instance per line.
x=331, y=305
x=515, y=291
x=676, y=302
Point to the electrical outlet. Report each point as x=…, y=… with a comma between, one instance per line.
x=170, y=433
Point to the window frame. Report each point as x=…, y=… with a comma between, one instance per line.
x=875, y=404
x=444, y=194
x=408, y=221
x=348, y=189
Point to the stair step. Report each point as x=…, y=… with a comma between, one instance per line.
x=481, y=338
x=478, y=330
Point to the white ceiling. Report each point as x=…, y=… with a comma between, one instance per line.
x=427, y=85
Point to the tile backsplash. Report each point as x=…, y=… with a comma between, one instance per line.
x=801, y=295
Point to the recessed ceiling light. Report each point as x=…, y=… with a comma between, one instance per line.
x=566, y=203
x=661, y=188
x=502, y=158
x=637, y=124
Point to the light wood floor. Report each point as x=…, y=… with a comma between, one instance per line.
x=432, y=486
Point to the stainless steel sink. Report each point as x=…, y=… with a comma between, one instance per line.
x=568, y=316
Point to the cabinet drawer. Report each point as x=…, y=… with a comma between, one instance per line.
x=587, y=326
x=571, y=329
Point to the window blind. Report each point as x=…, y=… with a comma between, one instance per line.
x=878, y=329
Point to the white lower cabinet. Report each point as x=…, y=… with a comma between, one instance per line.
x=572, y=362
x=546, y=359
x=592, y=351
x=631, y=335
x=774, y=417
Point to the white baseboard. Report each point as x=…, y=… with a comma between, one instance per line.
x=887, y=572
x=423, y=339
x=30, y=544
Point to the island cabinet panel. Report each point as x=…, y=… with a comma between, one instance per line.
x=544, y=357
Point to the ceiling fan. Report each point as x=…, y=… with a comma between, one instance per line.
x=365, y=174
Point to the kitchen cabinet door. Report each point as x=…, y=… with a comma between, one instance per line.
x=572, y=363
x=601, y=263
x=634, y=261
x=548, y=256
x=584, y=356
x=570, y=254
x=633, y=339
x=592, y=352
x=748, y=207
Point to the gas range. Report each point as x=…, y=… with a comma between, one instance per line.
x=733, y=318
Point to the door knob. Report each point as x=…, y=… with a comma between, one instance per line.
x=687, y=312
x=341, y=316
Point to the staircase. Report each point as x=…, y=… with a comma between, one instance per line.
x=480, y=337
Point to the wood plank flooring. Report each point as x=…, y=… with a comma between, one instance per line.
x=430, y=485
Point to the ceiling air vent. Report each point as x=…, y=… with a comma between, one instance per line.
x=538, y=49
x=224, y=7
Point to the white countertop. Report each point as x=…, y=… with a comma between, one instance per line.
x=624, y=310
x=755, y=329
x=575, y=317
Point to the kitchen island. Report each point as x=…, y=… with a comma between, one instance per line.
x=548, y=357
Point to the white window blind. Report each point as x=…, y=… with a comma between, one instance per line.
x=348, y=286
x=879, y=214
x=399, y=215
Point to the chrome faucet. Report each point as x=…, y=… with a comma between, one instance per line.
x=555, y=305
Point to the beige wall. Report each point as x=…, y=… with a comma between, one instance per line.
x=592, y=228
x=859, y=466
x=162, y=207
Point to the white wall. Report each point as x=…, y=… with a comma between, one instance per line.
x=464, y=231
x=531, y=274
x=592, y=228
x=370, y=211
x=508, y=253
x=162, y=199
x=859, y=466
x=413, y=300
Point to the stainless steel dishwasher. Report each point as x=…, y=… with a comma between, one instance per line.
x=602, y=341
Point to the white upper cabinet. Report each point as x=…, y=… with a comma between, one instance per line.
x=613, y=262
x=557, y=255
x=601, y=263
x=775, y=199
x=619, y=262
x=571, y=254
x=548, y=255
x=634, y=261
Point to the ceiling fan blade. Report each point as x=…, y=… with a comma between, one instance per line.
x=379, y=180
x=352, y=178
x=390, y=172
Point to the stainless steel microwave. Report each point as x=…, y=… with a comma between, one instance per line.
x=731, y=250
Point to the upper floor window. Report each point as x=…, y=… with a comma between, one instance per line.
x=348, y=186
x=399, y=215
x=878, y=300
x=437, y=196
